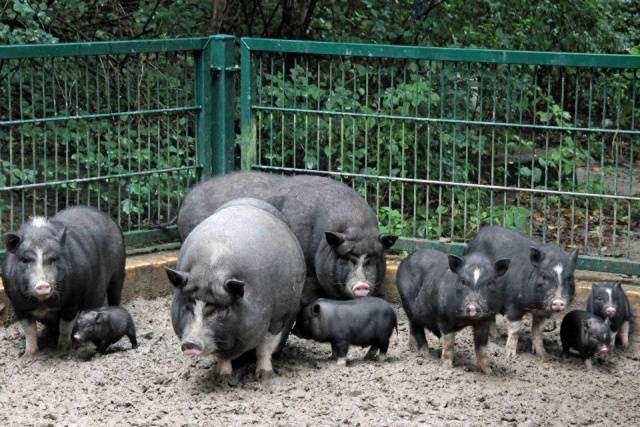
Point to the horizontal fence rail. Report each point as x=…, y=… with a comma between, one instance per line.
x=443, y=141
x=124, y=126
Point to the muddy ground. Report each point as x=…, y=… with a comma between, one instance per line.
x=156, y=385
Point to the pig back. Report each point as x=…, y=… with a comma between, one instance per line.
x=260, y=249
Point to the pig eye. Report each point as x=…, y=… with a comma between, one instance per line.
x=25, y=260
x=52, y=260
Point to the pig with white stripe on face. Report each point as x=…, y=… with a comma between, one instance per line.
x=539, y=281
x=237, y=284
x=446, y=294
x=337, y=230
x=55, y=268
x=608, y=301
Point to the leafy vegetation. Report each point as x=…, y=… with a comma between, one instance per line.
x=377, y=124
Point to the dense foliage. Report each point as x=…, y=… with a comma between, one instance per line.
x=440, y=151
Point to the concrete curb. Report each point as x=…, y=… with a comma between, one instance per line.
x=146, y=279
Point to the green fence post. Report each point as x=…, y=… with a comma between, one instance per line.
x=247, y=96
x=223, y=103
x=214, y=93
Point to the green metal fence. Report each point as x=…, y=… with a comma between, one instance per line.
x=113, y=125
x=439, y=141
x=442, y=141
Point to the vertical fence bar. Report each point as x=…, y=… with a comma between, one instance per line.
x=247, y=95
x=205, y=99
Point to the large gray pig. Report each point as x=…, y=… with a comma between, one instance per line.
x=238, y=283
x=56, y=268
x=337, y=230
x=539, y=281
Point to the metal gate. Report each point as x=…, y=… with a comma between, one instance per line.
x=439, y=141
x=443, y=141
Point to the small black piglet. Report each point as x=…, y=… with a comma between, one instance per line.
x=104, y=326
x=364, y=321
x=608, y=301
x=585, y=333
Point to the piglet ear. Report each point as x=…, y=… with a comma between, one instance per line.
x=177, y=278
x=61, y=235
x=585, y=325
x=387, y=240
x=502, y=266
x=619, y=285
x=235, y=287
x=334, y=239
x=455, y=263
x=12, y=242
x=573, y=256
x=536, y=256
x=315, y=309
x=99, y=318
x=607, y=322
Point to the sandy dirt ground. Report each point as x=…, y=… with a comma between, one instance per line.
x=156, y=385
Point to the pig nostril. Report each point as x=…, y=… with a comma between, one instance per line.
x=191, y=349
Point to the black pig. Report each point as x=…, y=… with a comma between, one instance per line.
x=103, y=327
x=447, y=293
x=585, y=333
x=539, y=281
x=366, y=321
x=55, y=268
x=608, y=301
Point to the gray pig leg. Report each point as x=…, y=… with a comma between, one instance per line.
x=224, y=366
x=340, y=350
x=480, y=340
x=512, y=338
x=372, y=354
x=448, y=346
x=64, y=337
x=30, y=331
x=537, y=324
x=624, y=334
x=417, y=339
x=264, y=350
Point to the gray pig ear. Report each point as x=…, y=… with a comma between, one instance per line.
x=62, y=235
x=455, y=262
x=387, y=240
x=177, y=278
x=99, y=318
x=235, y=287
x=573, y=256
x=535, y=256
x=12, y=241
x=607, y=322
x=315, y=309
x=334, y=239
x=619, y=285
x=502, y=266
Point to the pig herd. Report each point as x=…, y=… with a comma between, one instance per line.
x=263, y=255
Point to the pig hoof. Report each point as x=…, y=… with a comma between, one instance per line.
x=486, y=369
x=342, y=361
x=264, y=375
x=540, y=351
x=447, y=361
x=28, y=352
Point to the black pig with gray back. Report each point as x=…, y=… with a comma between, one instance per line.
x=337, y=230
x=448, y=293
x=585, y=333
x=366, y=321
x=608, y=301
x=103, y=327
x=55, y=268
x=238, y=283
x=539, y=281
